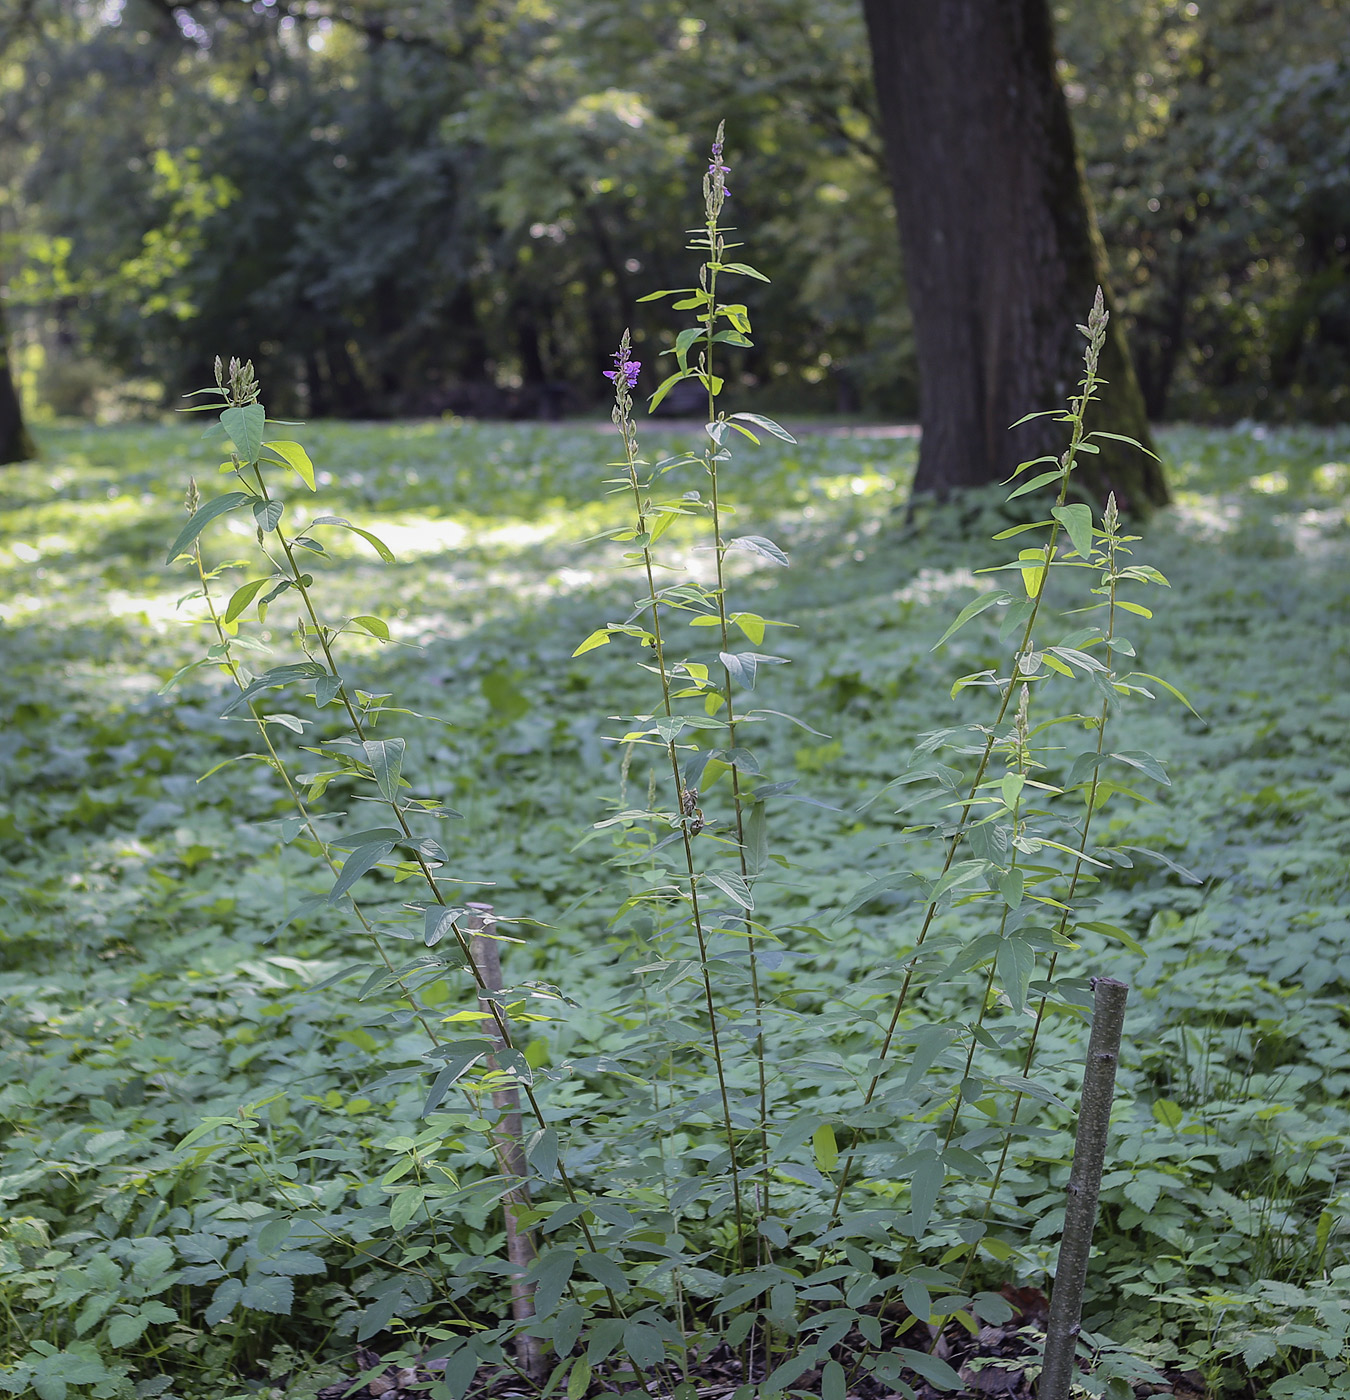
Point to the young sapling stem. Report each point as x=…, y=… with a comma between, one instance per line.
x=1085, y=1180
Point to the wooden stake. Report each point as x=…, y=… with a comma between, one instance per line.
x=507, y=1143
x=1085, y=1180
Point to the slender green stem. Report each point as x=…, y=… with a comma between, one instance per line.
x=696, y=913
x=321, y=634
x=716, y=249
x=959, y=833
x=1079, y=861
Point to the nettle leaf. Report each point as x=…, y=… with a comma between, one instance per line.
x=244, y=423
x=202, y=517
x=224, y=1301
x=272, y=1293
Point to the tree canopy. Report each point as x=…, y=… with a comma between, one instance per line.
x=417, y=208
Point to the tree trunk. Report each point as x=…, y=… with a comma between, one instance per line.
x=1002, y=254
x=15, y=444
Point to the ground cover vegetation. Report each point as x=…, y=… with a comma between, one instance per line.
x=795, y=1005
x=408, y=207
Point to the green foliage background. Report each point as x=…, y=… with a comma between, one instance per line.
x=146, y=985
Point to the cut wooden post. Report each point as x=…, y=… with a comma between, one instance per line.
x=507, y=1144
x=1085, y=1179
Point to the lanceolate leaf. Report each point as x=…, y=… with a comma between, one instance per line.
x=378, y=545
x=361, y=860
x=202, y=517
x=973, y=609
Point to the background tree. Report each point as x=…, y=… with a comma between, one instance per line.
x=1001, y=256
x=411, y=206
x=15, y=444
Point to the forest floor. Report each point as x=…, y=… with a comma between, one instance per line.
x=145, y=983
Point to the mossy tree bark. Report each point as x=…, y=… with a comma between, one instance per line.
x=1002, y=254
x=15, y=444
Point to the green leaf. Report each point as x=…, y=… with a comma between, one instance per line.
x=1113, y=932
x=833, y=1382
x=376, y=626
x=244, y=424
x=271, y=1293
x=756, y=839
x=760, y=545
x=267, y=514
x=1021, y=529
x=377, y=544
x=385, y=757
x=925, y=1185
x=683, y=341
x=223, y=1301
x=751, y=624
x=125, y=1329
x=1168, y=687
x=1035, y=484
x=242, y=597
x=202, y=517
x=672, y=292
x=1077, y=520
x=598, y=638
x=1168, y=1113
x=1010, y=886
x=297, y=458
x=404, y=1206
x=665, y=387
x=731, y=885
x=1015, y=962
x=962, y=873
x=579, y=1378
x=1032, y=564
x=1147, y=764
x=824, y=1148
x=643, y=1343
x=277, y=675
x=973, y=609
x=744, y=269
x=1128, y=441
x=362, y=859
x=932, y=1368
x=767, y=424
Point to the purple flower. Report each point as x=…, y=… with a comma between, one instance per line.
x=716, y=168
x=628, y=368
